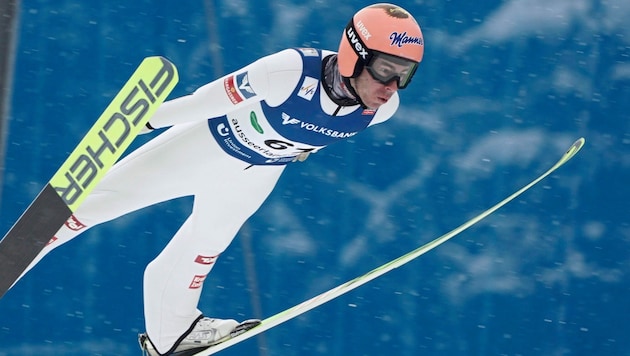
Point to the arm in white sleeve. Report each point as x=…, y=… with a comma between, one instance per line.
x=212, y=100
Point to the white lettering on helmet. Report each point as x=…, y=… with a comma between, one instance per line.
x=358, y=47
x=364, y=31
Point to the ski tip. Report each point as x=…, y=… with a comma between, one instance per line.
x=571, y=151
x=576, y=146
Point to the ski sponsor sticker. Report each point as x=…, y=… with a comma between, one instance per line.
x=308, y=88
x=197, y=281
x=237, y=87
x=205, y=260
x=74, y=224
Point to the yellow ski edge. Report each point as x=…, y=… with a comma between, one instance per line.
x=120, y=123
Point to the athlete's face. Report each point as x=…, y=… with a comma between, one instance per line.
x=372, y=92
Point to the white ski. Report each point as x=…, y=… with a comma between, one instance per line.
x=348, y=286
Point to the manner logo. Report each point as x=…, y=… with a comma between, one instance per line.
x=401, y=39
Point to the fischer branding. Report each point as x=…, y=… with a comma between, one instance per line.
x=110, y=137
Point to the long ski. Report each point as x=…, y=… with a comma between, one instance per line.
x=377, y=272
x=99, y=149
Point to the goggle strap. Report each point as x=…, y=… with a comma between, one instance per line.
x=358, y=46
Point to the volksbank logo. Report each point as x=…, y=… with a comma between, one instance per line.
x=288, y=120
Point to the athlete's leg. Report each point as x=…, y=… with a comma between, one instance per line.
x=173, y=281
x=156, y=172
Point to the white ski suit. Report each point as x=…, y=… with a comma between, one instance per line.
x=229, y=142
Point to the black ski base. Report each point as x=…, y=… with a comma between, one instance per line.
x=30, y=234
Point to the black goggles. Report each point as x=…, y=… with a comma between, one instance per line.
x=386, y=68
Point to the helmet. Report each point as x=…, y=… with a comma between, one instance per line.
x=381, y=32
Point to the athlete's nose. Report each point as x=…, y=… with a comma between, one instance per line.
x=392, y=85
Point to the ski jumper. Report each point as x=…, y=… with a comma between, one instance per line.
x=229, y=142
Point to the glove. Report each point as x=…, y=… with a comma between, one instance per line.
x=301, y=157
x=146, y=129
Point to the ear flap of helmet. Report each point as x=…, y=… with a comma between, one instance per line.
x=350, y=50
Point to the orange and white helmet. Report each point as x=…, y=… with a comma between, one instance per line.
x=386, y=40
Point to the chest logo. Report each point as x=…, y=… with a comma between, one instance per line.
x=308, y=88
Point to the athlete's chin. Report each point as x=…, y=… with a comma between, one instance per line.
x=376, y=101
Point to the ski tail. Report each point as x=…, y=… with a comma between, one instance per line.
x=377, y=272
x=99, y=149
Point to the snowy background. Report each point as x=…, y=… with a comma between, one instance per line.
x=505, y=88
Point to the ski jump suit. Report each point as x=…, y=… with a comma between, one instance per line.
x=229, y=142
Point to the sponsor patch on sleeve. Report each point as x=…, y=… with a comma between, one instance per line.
x=237, y=87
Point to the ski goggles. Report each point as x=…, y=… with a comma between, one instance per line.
x=386, y=68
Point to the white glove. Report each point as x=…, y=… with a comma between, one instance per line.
x=301, y=157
